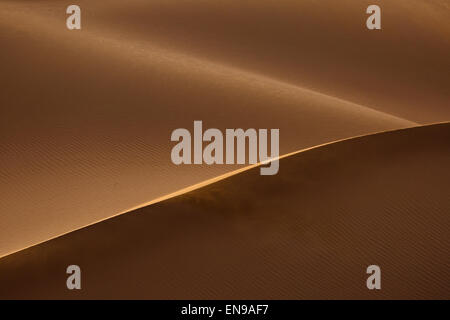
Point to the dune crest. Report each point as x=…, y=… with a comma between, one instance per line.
x=308, y=232
x=86, y=120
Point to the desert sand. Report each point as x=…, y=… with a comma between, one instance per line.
x=86, y=115
x=308, y=232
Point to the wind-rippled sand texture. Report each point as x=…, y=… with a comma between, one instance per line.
x=308, y=232
x=86, y=115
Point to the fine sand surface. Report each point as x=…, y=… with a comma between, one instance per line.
x=87, y=115
x=308, y=232
x=85, y=124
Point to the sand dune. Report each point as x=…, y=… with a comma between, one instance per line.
x=321, y=45
x=85, y=124
x=87, y=116
x=308, y=232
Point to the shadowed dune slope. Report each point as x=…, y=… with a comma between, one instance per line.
x=322, y=45
x=86, y=117
x=308, y=232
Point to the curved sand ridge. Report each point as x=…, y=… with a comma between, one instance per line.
x=321, y=45
x=86, y=121
x=308, y=232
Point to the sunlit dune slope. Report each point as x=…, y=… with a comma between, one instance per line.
x=308, y=232
x=86, y=118
x=322, y=45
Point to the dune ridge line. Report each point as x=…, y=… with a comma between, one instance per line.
x=219, y=178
